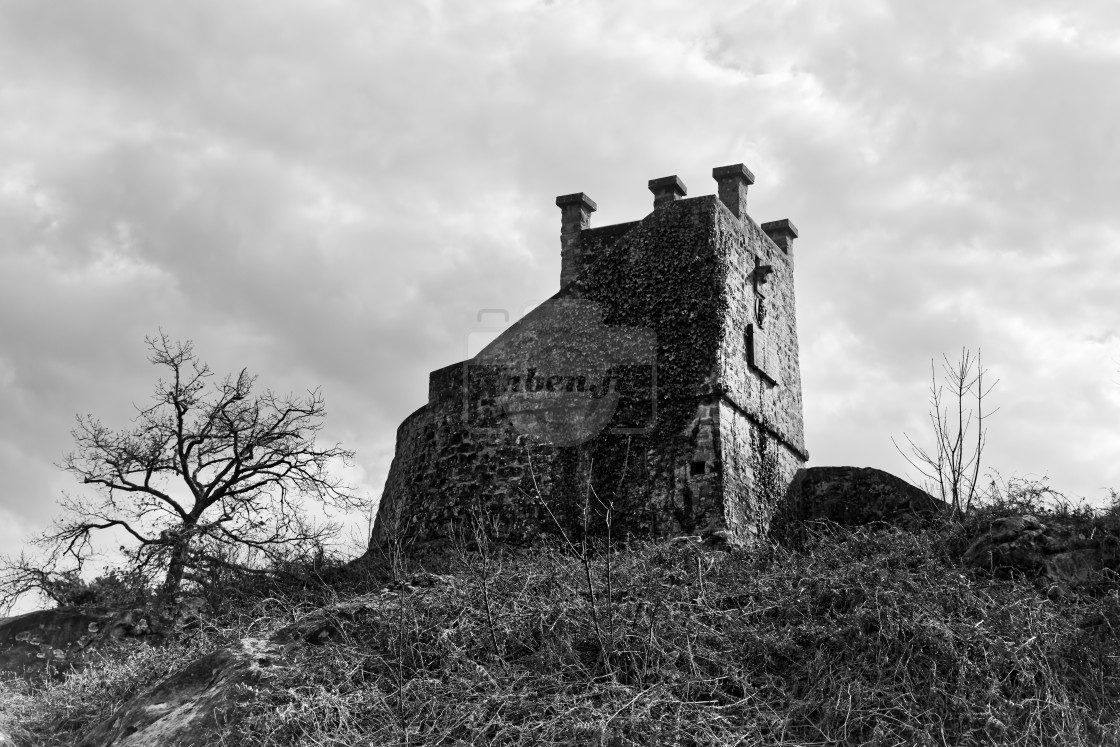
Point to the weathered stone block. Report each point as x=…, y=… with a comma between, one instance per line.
x=1049, y=553
x=854, y=496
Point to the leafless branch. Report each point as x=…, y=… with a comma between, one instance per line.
x=951, y=468
x=206, y=464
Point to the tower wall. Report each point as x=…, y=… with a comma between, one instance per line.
x=761, y=427
x=696, y=292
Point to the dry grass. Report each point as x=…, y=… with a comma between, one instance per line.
x=868, y=637
x=58, y=713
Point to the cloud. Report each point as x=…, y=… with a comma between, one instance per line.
x=328, y=194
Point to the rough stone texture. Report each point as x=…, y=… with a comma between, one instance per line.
x=576, y=211
x=691, y=310
x=186, y=708
x=1065, y=554
x=854, y=496
x=49, y=643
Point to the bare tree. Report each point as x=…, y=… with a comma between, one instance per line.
x=210, y=476
x=951, y=467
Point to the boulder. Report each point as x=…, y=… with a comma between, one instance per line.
x=186, y=708
x=855, y=496
x=1064, y=553
x=49, y=643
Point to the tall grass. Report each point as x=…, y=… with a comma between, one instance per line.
x=858, y=637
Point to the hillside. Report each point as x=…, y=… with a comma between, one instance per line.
x=872, y=635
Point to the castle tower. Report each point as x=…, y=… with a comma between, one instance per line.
x=659, y=388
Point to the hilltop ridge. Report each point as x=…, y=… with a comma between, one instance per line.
x=872, y=634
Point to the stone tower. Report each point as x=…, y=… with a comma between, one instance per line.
x=657, y=393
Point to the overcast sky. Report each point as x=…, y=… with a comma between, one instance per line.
x=330, y=192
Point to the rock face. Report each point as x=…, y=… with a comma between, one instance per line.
x=663, y=378
x=854, y=496
x=1055, y=553
x=185, y=708
x=48, y=643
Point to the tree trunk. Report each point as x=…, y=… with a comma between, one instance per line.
x=177, y=566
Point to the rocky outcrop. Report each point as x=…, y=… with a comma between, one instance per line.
x=49, y=643
x=1060, y=553
x=855, y=496
x=186, y=708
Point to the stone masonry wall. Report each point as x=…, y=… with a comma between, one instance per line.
x=443, y=473
x=775, y=405
x=762, y=443
x=757, y=469
x=664, y=274
x=442, y=476
x=727, y=436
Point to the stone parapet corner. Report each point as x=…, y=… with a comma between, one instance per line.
x=783, y=227
x=577, y=198
x=735, y=171
x=781, y=232
x=666, y=190
x=668, y=185
x=733, y=182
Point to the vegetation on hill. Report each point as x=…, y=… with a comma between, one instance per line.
x=867, y=636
